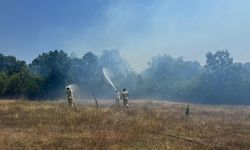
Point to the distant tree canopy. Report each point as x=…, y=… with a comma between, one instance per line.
x=52, y=68
x=10, y=65
x=167, y=77
x=223, y=81
x=219, y=81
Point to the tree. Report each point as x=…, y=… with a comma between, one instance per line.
x=247, y=66
x=53, y=68
x=10, y=65
x=222, y=82
x=219, y=61
x=167, y=77
x=33, y=87
x=16, y=84
x=12, y=76
x=85, y=72
x=3, y=83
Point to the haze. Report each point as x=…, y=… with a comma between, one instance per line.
x=138, y=29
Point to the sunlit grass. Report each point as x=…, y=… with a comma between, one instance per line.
x=146, y=125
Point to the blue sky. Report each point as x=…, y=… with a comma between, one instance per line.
x=139, y=29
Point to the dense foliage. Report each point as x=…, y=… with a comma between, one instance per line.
x=219, y=81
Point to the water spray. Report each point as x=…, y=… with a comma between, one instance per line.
x=106, y=74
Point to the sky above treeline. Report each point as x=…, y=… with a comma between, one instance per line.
x=139, y=29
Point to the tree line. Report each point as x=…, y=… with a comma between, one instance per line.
x=219, y=81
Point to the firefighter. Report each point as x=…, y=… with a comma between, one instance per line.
x=117, y=97
x=124, y=97
x=70, y=98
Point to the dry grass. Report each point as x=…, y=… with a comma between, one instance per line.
x=146, y=125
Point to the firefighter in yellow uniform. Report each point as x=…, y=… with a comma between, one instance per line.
x=70, y=98
x=124, y=97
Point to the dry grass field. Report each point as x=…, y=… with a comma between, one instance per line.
x=146, y=125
